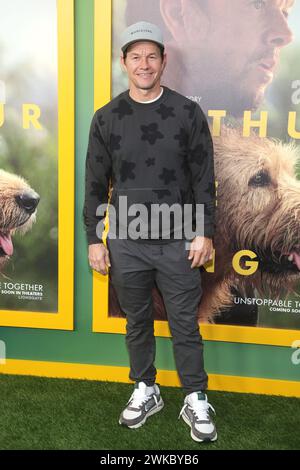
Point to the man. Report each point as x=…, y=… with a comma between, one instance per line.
x=154, y=145
x=222, y=53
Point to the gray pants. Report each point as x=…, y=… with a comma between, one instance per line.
x=135, y=267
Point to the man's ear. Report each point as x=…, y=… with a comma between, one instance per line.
x=184, y=19
x=122, y=62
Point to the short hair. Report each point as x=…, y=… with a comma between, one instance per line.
x=161, y=50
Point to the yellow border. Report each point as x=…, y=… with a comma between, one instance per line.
x=226, y=383
x=101, y=321
x=229, y=333
x=63, y=319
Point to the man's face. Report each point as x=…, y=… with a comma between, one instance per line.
x=238, y=57
x=144, y=65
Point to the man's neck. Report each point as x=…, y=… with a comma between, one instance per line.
x=145, y=95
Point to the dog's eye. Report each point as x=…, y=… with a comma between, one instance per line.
x=262, y=178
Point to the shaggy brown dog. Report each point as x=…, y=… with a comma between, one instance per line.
x=17, y=212
x=258, y=209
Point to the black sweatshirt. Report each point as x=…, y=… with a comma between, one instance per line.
x=153, y=153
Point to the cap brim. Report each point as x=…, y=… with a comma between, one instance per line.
x=123, y=48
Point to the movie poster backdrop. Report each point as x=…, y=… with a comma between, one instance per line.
x=239, y=61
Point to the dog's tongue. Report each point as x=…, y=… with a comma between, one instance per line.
x=296, y=259
x=6, y=244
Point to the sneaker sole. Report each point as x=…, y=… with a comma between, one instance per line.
x=159, y=407
x=195, y=438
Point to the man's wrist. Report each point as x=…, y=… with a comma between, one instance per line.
x=94, y=240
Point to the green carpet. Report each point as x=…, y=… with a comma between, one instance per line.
x=40, y=413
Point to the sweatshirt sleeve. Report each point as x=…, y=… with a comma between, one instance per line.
x=98, y=170
x=201, y=163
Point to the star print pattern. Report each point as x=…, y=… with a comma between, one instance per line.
x=150, y=162
x=185, y=167
x=167, y=176
x=97, y=189
x=191, y=108
x=98, y=136
x=182, y=138
x=197, y=154
x=151, y=133
x=115, y=142
x=126, y=171
x=162, y=193
x=165, y=148
x=123, y=109
x=165, y=112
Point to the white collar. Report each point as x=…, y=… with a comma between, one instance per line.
x=155, y=99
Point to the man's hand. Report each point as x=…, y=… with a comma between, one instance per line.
x=201, y=251
x=99, y=258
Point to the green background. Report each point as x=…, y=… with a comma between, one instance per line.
x=83, y=346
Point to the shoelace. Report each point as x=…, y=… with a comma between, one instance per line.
x=137, y=399
x=201, y=412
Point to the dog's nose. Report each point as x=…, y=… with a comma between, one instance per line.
x=28, y=201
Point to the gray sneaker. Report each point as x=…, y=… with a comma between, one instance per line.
x=141, y=405
x=195, y=413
